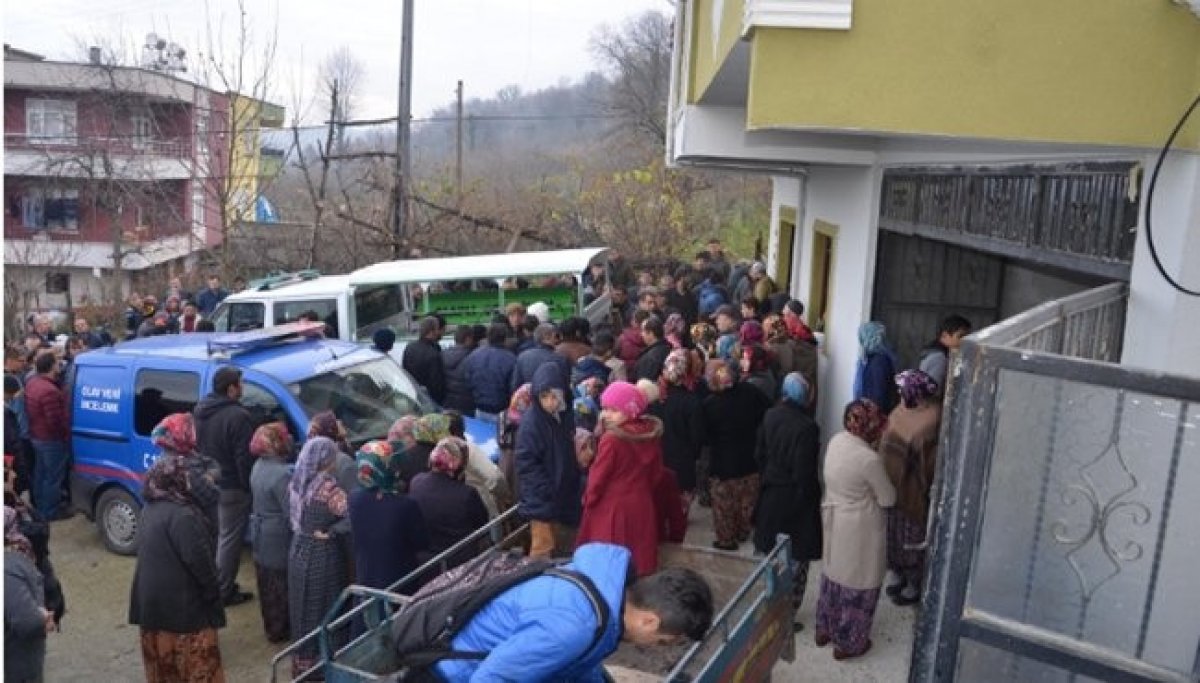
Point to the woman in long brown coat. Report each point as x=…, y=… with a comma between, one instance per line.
x=909, y=451
x=856, y=492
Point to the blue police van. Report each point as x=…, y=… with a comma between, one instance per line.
x=118, y=394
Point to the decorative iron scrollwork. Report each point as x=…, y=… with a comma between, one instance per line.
x=1094, y=555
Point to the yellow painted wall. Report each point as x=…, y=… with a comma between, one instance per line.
x=1117, y=72
x=709, y=52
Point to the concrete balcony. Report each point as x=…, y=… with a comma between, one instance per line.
x=98, y=157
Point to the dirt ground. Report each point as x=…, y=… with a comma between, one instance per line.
x=98, y=645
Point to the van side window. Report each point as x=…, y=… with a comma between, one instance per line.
x=245, y=316
x=159, y=393
x=290, y=312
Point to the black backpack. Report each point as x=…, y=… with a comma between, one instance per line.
x=422, y=632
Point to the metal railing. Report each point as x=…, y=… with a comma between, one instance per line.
x=1087, y=325
x=178, y=148
x=375, y=598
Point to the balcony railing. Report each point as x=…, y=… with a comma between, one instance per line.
x=175, y=148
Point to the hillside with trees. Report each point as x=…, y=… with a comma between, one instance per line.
x=580, y=163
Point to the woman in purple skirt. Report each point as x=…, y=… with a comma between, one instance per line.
x=857, y=489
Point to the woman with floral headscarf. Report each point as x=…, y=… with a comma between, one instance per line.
x=270, y=527
x=909, y=451
x=176, y=597
x=788, y=454
x=388, y=527
x=857, y=490
x=26, y=619
x=756, y=371
x=874, y=379
x=327, y=424
x=510, y=422
x=733, y=412
x=175, y=436
x=317, y=563
x=451, y=508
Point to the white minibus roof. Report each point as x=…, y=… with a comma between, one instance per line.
x=483, y=267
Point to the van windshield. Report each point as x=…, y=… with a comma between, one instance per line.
x=367, y=397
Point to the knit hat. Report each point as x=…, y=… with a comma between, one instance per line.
x=625, y=399
x=540, y=311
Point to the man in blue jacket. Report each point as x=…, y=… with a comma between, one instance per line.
x=545, y=629
x=530, y=360
x=488, y=370
x=550, y=481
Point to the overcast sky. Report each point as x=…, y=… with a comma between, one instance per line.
x=487, y=43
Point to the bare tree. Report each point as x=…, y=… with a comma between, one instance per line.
x=342, y=71
x=637, y=60
x=241, y=67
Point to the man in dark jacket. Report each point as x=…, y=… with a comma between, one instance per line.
x=530, y=360
x=488, y=371
x=223, y=431
x=551, y=484
x=209, y=297
x=423, y=359
x=49, y=429
x=458, y=390
x=650, y=362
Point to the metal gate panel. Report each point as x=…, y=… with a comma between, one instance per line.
x=1064, y=546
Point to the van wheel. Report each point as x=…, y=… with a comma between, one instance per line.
x=118, y=516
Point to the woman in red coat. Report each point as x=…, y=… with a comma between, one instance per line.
x=618, y=505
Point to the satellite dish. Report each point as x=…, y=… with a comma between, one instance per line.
x=160, y=44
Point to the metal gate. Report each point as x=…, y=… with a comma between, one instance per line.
x=1065, y=544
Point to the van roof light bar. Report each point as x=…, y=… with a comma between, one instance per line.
x=277, y=279
x=239, y=342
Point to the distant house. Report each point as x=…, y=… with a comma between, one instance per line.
x=115, y=170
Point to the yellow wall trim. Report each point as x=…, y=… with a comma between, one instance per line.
x=1094, y=72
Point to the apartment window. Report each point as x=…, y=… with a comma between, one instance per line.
x=142, y=129
x=58, y=283
x=50, y=209
x=50, y=121
x=202, y=133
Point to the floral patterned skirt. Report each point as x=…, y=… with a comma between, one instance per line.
x=908, y=564
x=182, y=657
x=844, y=616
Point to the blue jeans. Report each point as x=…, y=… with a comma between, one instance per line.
x=49, y=471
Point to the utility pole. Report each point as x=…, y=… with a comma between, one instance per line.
x=458, y=147
x=403, y=169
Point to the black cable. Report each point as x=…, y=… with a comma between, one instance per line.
x=1162, y=156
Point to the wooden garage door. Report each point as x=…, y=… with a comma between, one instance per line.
x=918, y=282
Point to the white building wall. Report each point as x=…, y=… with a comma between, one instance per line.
x=1162, y=326
x=847, y=197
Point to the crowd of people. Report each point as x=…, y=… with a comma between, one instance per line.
x=611, y=437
